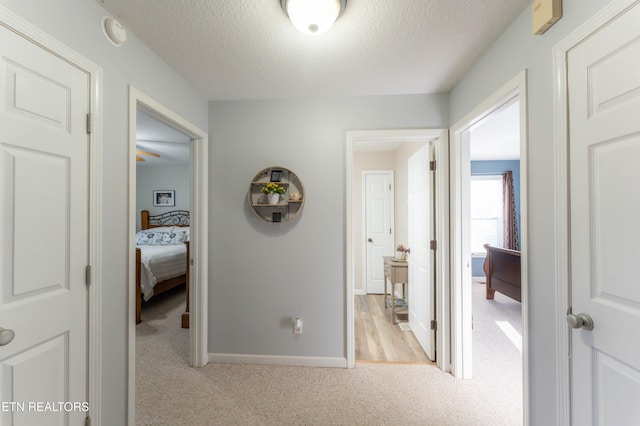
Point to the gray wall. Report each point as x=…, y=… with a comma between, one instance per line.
x=515, y=50
x=264, y=273
x=152, y=178
x=76, y=23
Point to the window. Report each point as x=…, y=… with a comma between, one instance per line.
x=486, y=213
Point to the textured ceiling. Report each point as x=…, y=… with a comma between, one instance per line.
x=152, y=135
x=248, y=49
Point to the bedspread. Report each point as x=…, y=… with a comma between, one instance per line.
x=160, y=263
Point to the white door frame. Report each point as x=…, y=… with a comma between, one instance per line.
x=365, y=206
x=354, y=137
x=199, y=165
x=461, y=297
x=563, y=297
x=18, y=25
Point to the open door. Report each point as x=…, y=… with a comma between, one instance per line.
x=421, y=259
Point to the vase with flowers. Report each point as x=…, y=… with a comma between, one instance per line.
x=401, y=252
x=273, y=191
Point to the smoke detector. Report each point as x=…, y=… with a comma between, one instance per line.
x=114, y=31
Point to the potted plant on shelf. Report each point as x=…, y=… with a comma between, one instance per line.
x=273, y=191
x=401, y=252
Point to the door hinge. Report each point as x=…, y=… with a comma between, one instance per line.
x=433, y=245
x=389, y=231
x=89, y=127
x=389, y=187
x=432, y=165
x=87, y=275
x=191, y=262
x=87, y=421
x=434, y=325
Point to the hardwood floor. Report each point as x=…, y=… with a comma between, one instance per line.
x=378, y=339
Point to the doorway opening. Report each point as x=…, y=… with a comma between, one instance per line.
x=489, y=168
x=390, y=150
x=183, y=189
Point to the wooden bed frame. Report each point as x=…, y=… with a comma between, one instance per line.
x=502, y=269
x=175, y=218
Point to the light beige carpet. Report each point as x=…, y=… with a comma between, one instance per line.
x=168, y=392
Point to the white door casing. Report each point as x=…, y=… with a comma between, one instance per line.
x=461, y=300
x=600, y=67
x=198, y=290
x=420, y=231
x=378, y=218
x=464, y=369
x=360, y=138
x=44, y=234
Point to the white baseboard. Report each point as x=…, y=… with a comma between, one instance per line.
x=359, y=292
x=298, y=361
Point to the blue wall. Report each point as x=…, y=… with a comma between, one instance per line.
x=496, y=167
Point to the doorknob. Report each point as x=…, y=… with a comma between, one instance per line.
x=370, y=240
x=6, y=336
x=580, y=321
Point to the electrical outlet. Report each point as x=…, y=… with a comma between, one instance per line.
x=297, y=325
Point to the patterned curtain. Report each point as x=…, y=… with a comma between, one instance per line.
x=510, y=230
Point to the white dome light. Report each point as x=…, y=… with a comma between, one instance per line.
x=313, y=17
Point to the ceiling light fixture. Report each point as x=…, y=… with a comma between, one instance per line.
x=313, y=17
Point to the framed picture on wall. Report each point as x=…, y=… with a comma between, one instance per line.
x=164, y=198
x=276, y=175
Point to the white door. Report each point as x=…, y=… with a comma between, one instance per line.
x=604, y=147
x=44, y=241
x=378, y=194
x=421, y=267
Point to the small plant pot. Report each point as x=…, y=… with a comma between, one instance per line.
x=273, y=198
x=400, y=255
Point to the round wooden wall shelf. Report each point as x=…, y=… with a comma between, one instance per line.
x=290, y=203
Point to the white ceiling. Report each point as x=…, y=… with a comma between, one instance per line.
x=231, y=49
x=497, y=137
x=152, y=135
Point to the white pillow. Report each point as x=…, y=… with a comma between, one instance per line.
x=172, y=238
x=151, y=237
x=148, y=237
x=184, y=230
x=161, y=229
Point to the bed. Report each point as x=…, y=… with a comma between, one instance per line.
x=502, y=269
x=162, y=253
